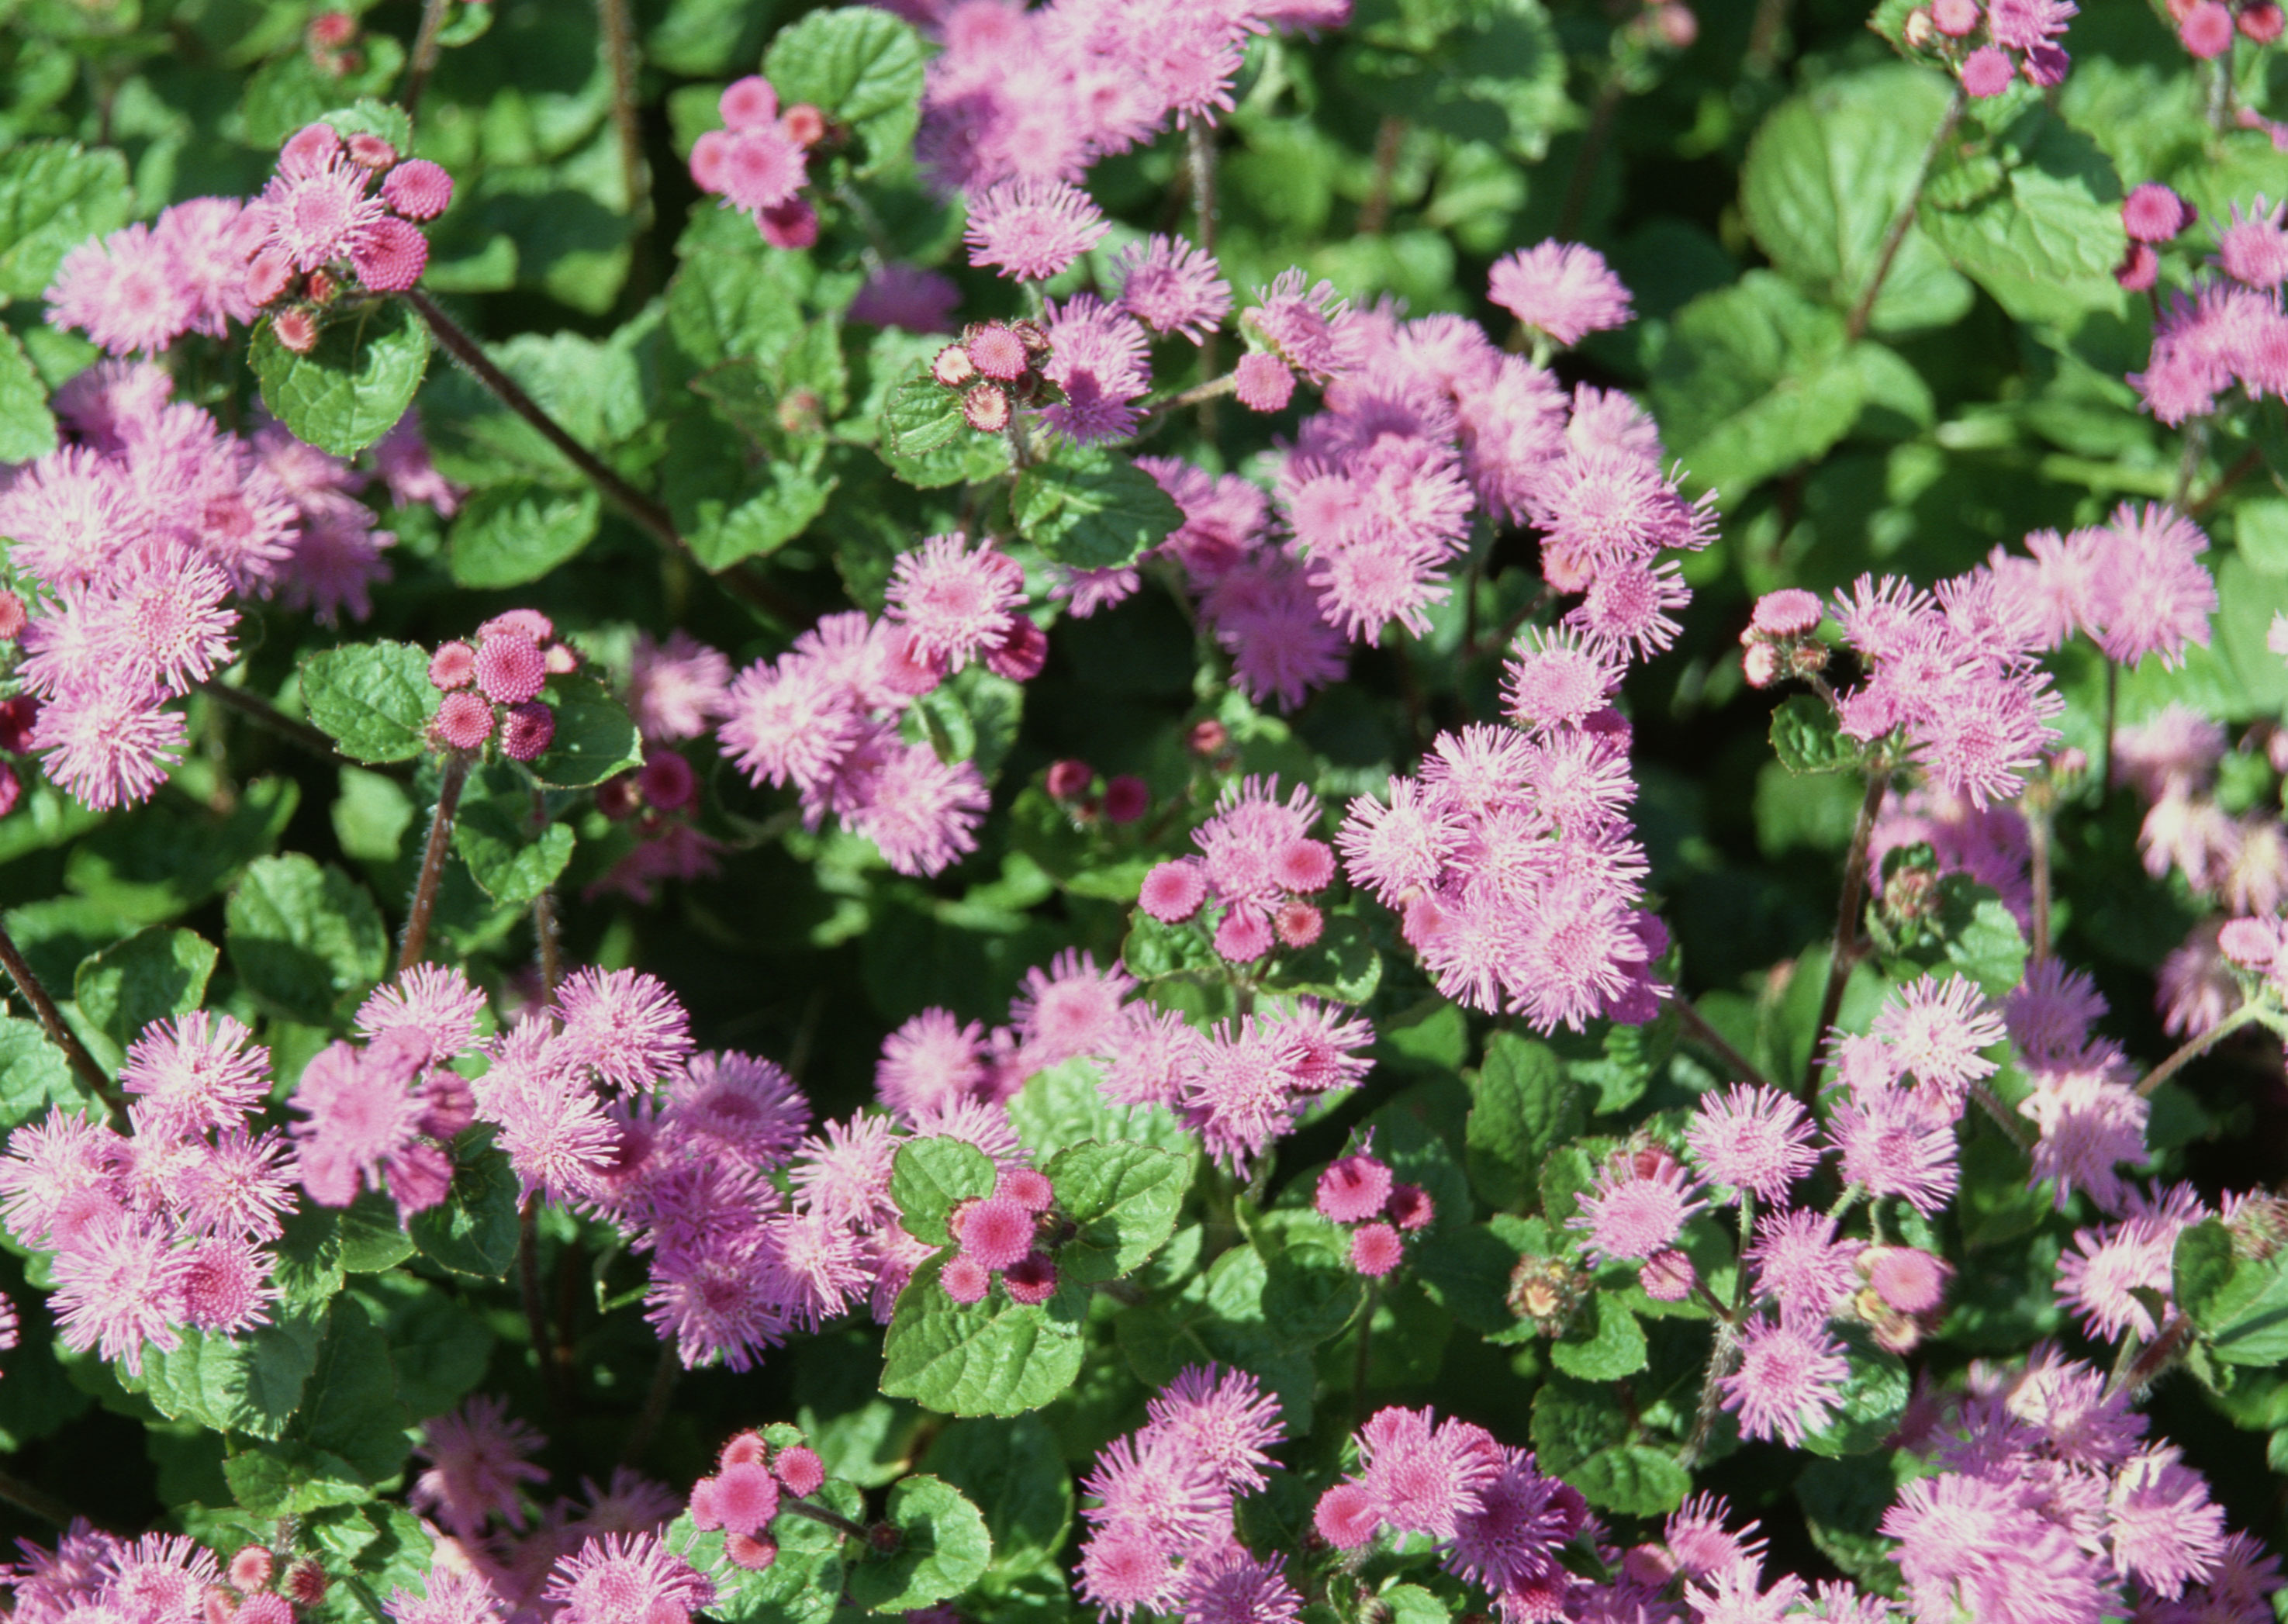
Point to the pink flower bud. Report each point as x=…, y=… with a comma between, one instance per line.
x=996, y=351
x=371, y=152
x=2153, y=213
x=1243, y=936
x=1173, y=890
x=452, y=666
x=799, y=1469
x=296, y=329
x=308, y=150
x=986, y=410
x=2253, y=944
x=965, y=1280
x=11, y=615
x=1032, y=1279
x=1069, y=778
x=790, y=225
x=1788, y=613
x=1376, y=1251
x=1297, y=923
x=417, y=189
x=667, y=780
x=1667, y=1276
x=2207, y=30
x=804, y=125
x=509, y=668
x=1988, y=70
x=2261, y=22
x=1954, y=18
x=748, y=103
x=1126, y=799
x=527, y=731
x=1263, y=382
x=251, y=1569
x=390, y=255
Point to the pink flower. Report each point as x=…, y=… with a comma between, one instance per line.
x=2153, y=595
x=1352, y=1189
x=921, y=812
x=1890, y=1146
x=1789, y=1380
x=1262, y=382
x=625, y=1025
x=110, y=743
x=930, y=1060
x=1312, y=329
x=2048, y=1014
x=1171, y=287
x=1375, y=1249
x=1173, y=892
x=1072, y=1010
x=1752, y=1138
x=2091, y=1123
x=1974, y=1544
x=450, y=1596
x=2099, y=1276
x=1561, y=288
x=676, y=688
x=126, y=291
x=1032, y=229
x=954, y=603
x=192, y=1073
x=433, y=1001
x=1935, y=1030
x=1800, y=1264
x=1424, y=1475
x=1232, y=1586
x=478, y=1459
x=1632, y=1214
x=627, y=1579
x=1097, y=358
x=1557, y=678
x=1221, y=1418
x=119, y=1286
x=737, y=1104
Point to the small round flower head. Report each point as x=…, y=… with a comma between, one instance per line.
x=1561, y=288
x=2153, y=596
x=161, y=1576
x=463, y=721
x=1754, y=1138
x=1031, y=1279
x=1786, y=614
x=124, y=291
x=417, y=189
x=1890, y=1146
x=995, y=1231
x=527, y=730
x=626, y=1579
x=1032, y=229
x=1632, y=1215
x=965, y=1280
x=1790, y=1380
x=932, y=1060
x=996, y=351
x=1375, y=1249
x=1987, y=72
x=2153, y=213
x=1557, y=678
x=676, y=688
x=389, y=255
x=1935, y=1030
x=227, y=1286
x=1125, y=1566
x=110, y=744
x=1263, y=382
x=1800, y=1264
x=624, y=1024
x=1071, y=1009
x=194, y=1072
x=449, y=1596
x=1352, y=1189
x=1171, y=287
x=1667, y=1276
x=1172, y=890
x=953, y=603
x=2163, y=1527
x=1126, y=799
x=509, y=668
x=747, y=1107
x=1231, y=1586
x=453, y=666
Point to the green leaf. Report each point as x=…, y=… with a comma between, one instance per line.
x=473, y=1230
x=1123, y=1199
x=595, y=738
x=927, y=443
x=165, y=857
x=1522, y=1106
x=2044, y=242
x=518, y=531
x=994, y=1358
x=1603, y=1343
x=54, y=197
x=1808, y=738
x=792, y=495
x=1573, y=1421
x=1413, y=1605
x=1873, y=1397
x=1632, y=1479
x=279, y=1480
x=33, y=1075
x=368, y=116
x=1012, y=1472
x=513, y=864
x=1095, y=511
x=152, y=975
x=860, y=67
x=374, y=700
x=943, y=1549
x=1341, y=965
x=438, y=1345
x=1063, y=1105
x=351, y=1409
x=2240, y=1304
x=930, y=1178
x=747, y=303
x=1310, y=1291
x=372, y=1235
x=307, y=941
x=2201, y=1270
x=804, y=1586
x=27, y=429
x=1982, y=938
x=252, y=1385
x=1825, y=176
x=352, y=387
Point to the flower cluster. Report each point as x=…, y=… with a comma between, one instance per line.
x=999, y=1238
x=675, y=692
x=757, y=162
x=142, y=288
x=1160, y=1530
x=492, y=687
x=2231, y=330
x=1989, y=46
x=168, y=1226
x=1258, y=864
x=744, y=1496
x=322, y=230
x=158, y=1576
x=2206, y=27
x=1500, y=1523
x=379, y=1117
x=994, y=367
x=1358, y=1193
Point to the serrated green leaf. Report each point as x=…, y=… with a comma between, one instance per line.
x=1413, y=1605
x=1807, y=737
x=1096, y=511
x=27, y=429
x=515, y=533
x=930, y=1178
x=374, y=700
x=473, y=1230
x=1013, y=1471
x=790, y=495
x=350, y=389
x=1632, y=1479
x=54, y=197
x=1123, y=1201
x=368, y=116
x=595, y=738
x=513, y=863
x=1603, y=1343
x=925, y=438
x=1573, y=1421
x=152, y=975
x=372, y=1236
x=251, y=1384
x=994, y=1358
x=1341, y=965
x=1521, y=1107
x=858, y=66
x=306, y=940
x=2201, y=1270
x=351, y=1409
x=2046, y=242
x=33, y=1075
x=943, y=1549
x=1873, y=1398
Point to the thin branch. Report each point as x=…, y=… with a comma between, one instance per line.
x=2105, y=744
x=1696, y=1026
x=1855, y=325
x=2037, y=842
x=620, y=57
x=426, y=50
x=536, y=1312
x=663, y=1378
x=546, y=925
x=1389, y=142
x=1846, y=929
x=2250, y=461
x=454, y=776
x=52, y=1021
x=1198, y=394
x=2013, y=1128
x=38, y=1501
x=2198, y=1045
x=265, y=715
x=832, y=1519
x=1764, y=38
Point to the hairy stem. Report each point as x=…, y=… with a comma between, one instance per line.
x=832, y=1519
x=546, y=927
x=424, y=62
x=2013, y=1128
x=1894, y=235
x=2105, y=741
x=263, y=714
x=450, y=783
x=663, y=1378
x=2198, y=1045
x=1696, y=1027
x=2250, y=461
x=52, y=1021
x=1846, y=930
x=2037, y=843
x=1389, y=140
x=38, y=1501
x=536, y=1312
x=627, y=130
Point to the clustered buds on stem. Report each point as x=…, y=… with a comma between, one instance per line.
x=2151, y=215
x=1779, y=640
x=759, y=160
x=495, y=686
x=1011, y=1235
x=1358, y=1193
x=1988, y=46
x=245, y=1596
x=1072, y=784
x=744, y=1496
x=995, y=367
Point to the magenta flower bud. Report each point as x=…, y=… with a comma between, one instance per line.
x=1408, y=1208
x=1173, y=890
x=667, y=780
x=1304, y=865
x=1297, y=923
x=12, y=616
x=997, y=1231
x=1347, y=1516
x=986, y=410
x=417, y=189
x=953, y=368
x=1352, y=1189
x=2261, y=22
x=463, y=721
x=1760, y=665
x=1242, y=936
x=1375, y=1249
x=308, y=150
x=389, y=255
x=1788, y=613
x=1029, y=1189
x=1021, y=655
x=1126, y=799
x=1988, y=70
x=296, y=329
x=1068, y=777
x=965, y=1280
x=371, y=152
x=1954, y=18
x=1032, y=1279
x=331, y=30
x=800, y=1470
x=251, y=1569
x=1263, y=382
x=1207, y=738
x=2207, y=30
x=748, y=103
x=452, y=666
x=789, y=225
x=803, y=124
x=996, y=351
x=509, y=668
x=2139, y=268
x=1667, y=1276
x=527, y=731
x=617, y=798
x=752, y=1552
x=2153, y=213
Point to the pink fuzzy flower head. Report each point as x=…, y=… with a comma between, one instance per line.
x=1171, y=287
x=2207, y=30
x=1891, y=1146
x=509, y=668
x=1071, y=1009
x=1631, y=1214
x=1560, y=289
x=462, y=722
x=1031, y=1279
x=1790, y=1380
x=997, y=1231
x=1172, y=890
x=1786, y=614
x=1667, y=1276
x=1936, y=1029
x=954, y=603
x=1032, y=229
x=417, y=189
x=1375, y=1249
x=1263, y=382
x=454, y=665
x=389, y=255
x=2153, y=213
x=1906, y=1278
x=1347, y=1516
x=477, y=1460
x=1352, y=1189
x=624, y=1024
x=965, y=1280
x=527, y=731
x=1752, y=1138
x=627, y=1579
x=2164, y=1528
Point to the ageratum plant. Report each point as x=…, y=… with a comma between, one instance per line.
x=1240, y=812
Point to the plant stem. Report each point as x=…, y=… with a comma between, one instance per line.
x=1389, y=138
x=38, y=1501
x=1365, y=1358
x=2037, y=843
x=1593, y=141
x=263, y=714
x=2198, y=1045
x=2105, y=743
x=1200, y=167
x=52, y=1021
x=426, y=50
x=2250, y=461
x=546, y=926
x=1764, y=38
x=2163, y=1350
x=1696, y=1024
x=450, y=783
x=1197, y=394
x=832, y=1519
x=2013, y=1129
x=535, y=1312
x=620, y=57
x=1895, y=236
x=1846, y=930
x=663, y=1378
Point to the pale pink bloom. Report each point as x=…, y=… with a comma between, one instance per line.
x=435, y=1001
x=1891, y=1146
x=1400, y=845
x=118, y=1288
x=1073, y=1009
x=1223, y=1419
x=1425, y=1475
x=1800, y=1263
x=625, y=1025
x=2091, y=1122
x=1752, y=1138
x=160, y=1579
x=1232, y=1587
x=930, y=1059
x=194, y=1072
x=450, y=1594
x=1978, y=1546
x=1790, y=1380
x=2097, y=1277
x=1312, y=329
x=1632, y=1214
x=108, y=744
x=844, y=1171
x=2253, y=248
x=1935, y=1030
x=125, y=291
x=1557, y=678
x=627, y=1579
x=1171, y=287
x=723, y=1101
x=1032, y=229
x=1561, y=288
x=952, y=603
x=1150, y=1057
x=1602, y=507
x=2153, y=594
x=676, y=689
x=1266, y=615
x=920, y=812
x=1736, y=1595
x=1096, y=359
x=2049, y=1013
